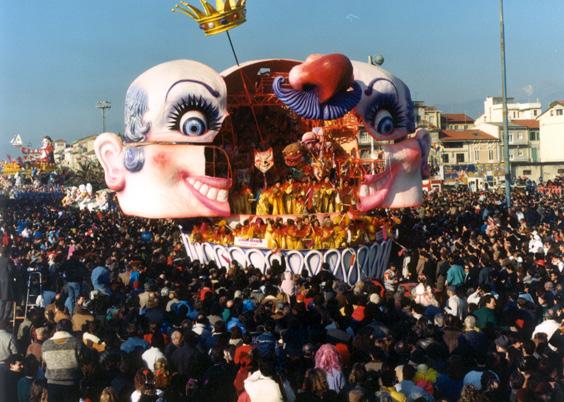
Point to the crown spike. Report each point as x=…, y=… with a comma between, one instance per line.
x=208, y=8
x=185, y=11
x=188, y=10
x=226, y=5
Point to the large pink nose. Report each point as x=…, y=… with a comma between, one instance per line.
x=329, y=74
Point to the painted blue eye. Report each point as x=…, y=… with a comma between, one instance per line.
x=193, y=123
x=384, y=123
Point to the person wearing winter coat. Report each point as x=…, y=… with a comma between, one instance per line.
x=7, y=286
x=261, y=386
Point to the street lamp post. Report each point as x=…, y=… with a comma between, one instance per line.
x=504, y=99
x=103, y=106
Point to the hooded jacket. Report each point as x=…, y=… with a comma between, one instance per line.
x=262, y=388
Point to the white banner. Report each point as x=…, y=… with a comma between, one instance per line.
x=250, y=243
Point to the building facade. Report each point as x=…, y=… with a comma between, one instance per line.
x=59, y=147
x=551, y=140
x=493, y=110
x=79, y=151
x=470, y=157
x=456, y=121
x=529, y=133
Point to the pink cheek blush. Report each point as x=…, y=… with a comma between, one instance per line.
x=160, y=160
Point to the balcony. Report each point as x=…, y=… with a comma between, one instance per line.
x=519, y=158
x=521, y=138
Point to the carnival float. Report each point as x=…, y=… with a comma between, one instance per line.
x=263, y=157
x=32, y=159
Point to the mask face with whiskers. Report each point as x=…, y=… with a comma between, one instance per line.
x=173, y=112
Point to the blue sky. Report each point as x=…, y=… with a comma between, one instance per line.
x=57, y=58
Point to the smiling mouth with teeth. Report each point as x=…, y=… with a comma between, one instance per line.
x=374, y=188
x=212, y=192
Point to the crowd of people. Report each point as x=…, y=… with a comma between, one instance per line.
x=296, y=233
x=469, y=309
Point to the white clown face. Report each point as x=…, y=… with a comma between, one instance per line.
x=159, y=171
x=387, y=112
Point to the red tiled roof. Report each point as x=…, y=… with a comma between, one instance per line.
x=530, y=123
x=457, y=118
x=465, y=135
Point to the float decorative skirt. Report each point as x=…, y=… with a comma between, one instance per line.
x=347, y=264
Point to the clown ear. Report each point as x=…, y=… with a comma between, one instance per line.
x=109, y=151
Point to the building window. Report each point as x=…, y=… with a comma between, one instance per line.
x=535, y=112
x=477, y=154
x=491, y=154
x=533, y=136
x=459, y=158
x=527, y=172
x=510, y=138
x=560, y=171
x=534, y=154
x=445, y=158
x=559, y=112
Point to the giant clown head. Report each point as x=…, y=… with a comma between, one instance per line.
x=326, y=87
x=158, y=170
x=386, y=110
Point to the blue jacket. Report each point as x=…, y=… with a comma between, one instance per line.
x=455, y=275
x=100, y=279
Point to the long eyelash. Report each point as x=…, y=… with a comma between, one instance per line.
x=193, y=102
x=390, y=103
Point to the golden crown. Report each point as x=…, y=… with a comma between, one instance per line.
x=225, y=15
